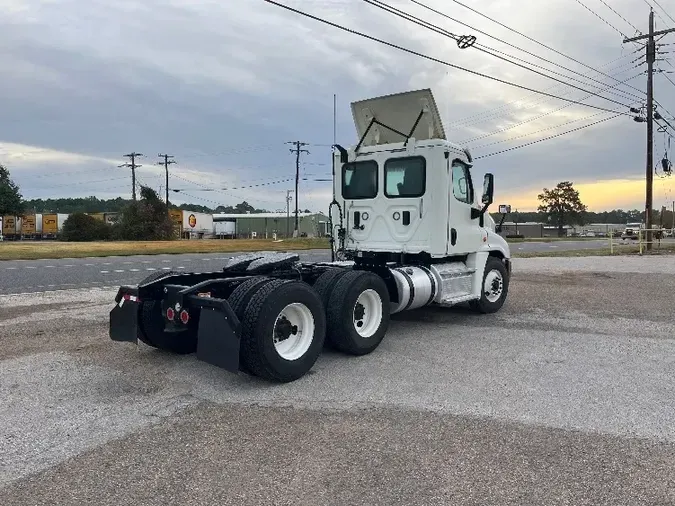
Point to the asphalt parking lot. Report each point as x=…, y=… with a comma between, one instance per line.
x=566, y=396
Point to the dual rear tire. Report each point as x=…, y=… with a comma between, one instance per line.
x=285, y=324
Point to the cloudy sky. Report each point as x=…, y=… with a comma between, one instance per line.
x=224, y=85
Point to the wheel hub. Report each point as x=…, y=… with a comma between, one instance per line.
x=367, y=314
x=284, y=329
x=493, y=286
x=293, y=331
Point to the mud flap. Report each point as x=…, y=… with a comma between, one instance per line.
x=218, y=336
x=124, y=316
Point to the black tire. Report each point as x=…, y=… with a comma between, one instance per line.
x=325, y=283
x=145, y=309
x=238, y=301
x=342, y=329
x=259, y=353
x=484, y=305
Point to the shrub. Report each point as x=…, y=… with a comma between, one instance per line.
x=82, y=227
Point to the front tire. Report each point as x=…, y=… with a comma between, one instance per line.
x=282, y=330
x=494, y=287
x=358, y=313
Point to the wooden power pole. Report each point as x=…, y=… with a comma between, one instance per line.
x=651, y=58
x=297, y=150
x=133, y=166
x=166, y=164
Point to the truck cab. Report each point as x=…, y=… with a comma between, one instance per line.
x=407, y=190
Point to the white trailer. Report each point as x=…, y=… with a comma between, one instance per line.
x=197, y=225
x=409, y=228
x=224, y=228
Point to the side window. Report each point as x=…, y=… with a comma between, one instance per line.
x=462, y=188
x=359, y=180
x=405, y=177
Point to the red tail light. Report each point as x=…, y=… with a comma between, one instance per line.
x=184, y=317
x=170, y=314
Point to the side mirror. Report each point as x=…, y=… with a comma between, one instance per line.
x=488, y=190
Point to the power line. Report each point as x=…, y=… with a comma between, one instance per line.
x=431, y=58
x=532, y=119
x=615, y=12
x=545, y=100
x=481, y=47
x=493, y=112
x=548, y=138
x=652, y=8
x=600, y=17
x=664, y=11
x=533, y=40
x=538, y=131
x=440, y=13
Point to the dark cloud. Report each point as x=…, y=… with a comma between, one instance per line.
x=223, y=86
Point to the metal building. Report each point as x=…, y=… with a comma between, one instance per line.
x=266, y=225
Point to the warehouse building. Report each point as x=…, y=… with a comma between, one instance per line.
x=269, y=225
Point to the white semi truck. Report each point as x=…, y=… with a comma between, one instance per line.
x=409, y=228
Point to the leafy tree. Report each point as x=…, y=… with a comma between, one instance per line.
x=562, y=205
x=11, y=200
x=83, y=227
x=145, y=220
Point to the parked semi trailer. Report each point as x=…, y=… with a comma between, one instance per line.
x=409, y=229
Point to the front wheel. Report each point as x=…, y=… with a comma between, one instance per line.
x=494, y=288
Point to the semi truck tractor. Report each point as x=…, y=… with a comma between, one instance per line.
x=409, y=228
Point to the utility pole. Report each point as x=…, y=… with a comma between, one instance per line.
x=166, y=164
x=133, y=166
x=288, y=211
x=297, y=150
x=651, y=57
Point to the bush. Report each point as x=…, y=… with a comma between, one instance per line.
x=82, y=227
x=145, y=220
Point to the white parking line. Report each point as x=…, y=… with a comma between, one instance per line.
x=11, y=268
x=105, y=272
x=134, y=270
x=119, y=270
x=150, y=269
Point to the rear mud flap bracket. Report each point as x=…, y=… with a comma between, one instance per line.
x=218, y=337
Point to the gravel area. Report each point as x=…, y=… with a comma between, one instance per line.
x=564, y=397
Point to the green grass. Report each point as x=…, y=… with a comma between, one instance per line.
x=623, y=251
x=26, y=250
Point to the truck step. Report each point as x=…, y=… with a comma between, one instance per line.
x=456, y=280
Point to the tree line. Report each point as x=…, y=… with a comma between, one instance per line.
x=559, y=206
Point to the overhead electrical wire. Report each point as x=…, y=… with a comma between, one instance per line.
x=540, y=130
x=534, y=40
x=542, y=100
x=601, y=18
x=515, y=125
x=664, y=11
x=492, y=112
x=625, y=20
x=488, y=49
x=548, y=138
x=655, y=11
x=431, y=58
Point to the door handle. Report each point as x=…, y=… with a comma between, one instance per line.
x=406, y=217
x=453, y=236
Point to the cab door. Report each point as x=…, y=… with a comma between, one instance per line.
x=465, y=235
